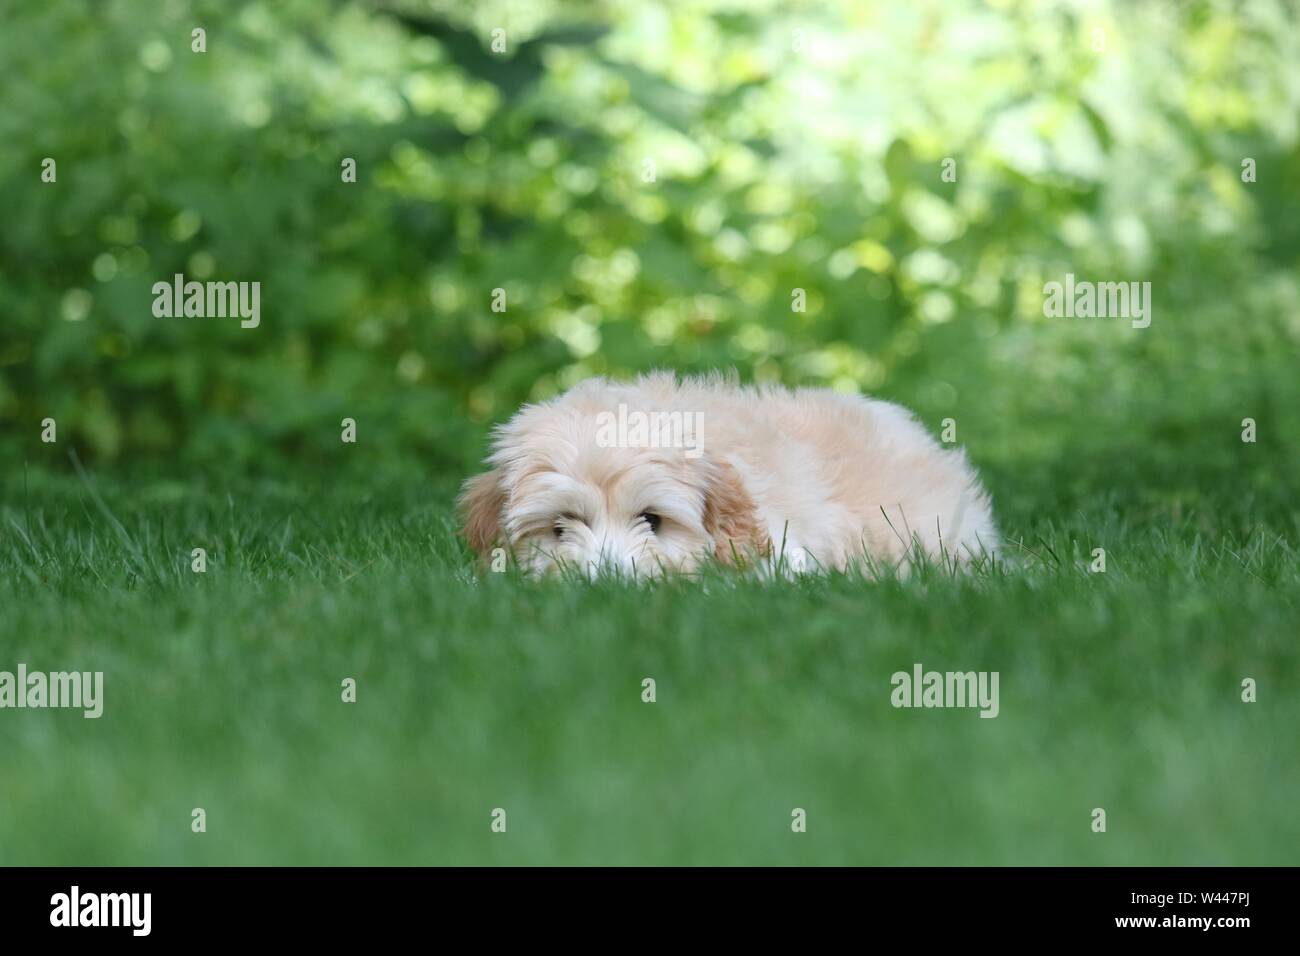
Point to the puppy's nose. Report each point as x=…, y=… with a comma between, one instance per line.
x=618, y=560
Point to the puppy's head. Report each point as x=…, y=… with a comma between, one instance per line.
x=576, y=482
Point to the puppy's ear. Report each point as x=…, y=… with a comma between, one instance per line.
x=481, y=502
x=730, y=517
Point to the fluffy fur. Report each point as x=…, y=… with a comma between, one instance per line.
x=808, y=479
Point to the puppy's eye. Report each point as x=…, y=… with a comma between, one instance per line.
x=562, y=520
x=652, y=519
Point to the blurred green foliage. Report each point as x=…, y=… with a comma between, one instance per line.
x=795, y=145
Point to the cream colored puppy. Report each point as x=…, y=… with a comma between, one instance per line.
x=660, y=474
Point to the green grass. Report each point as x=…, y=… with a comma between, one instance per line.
x=222, y=691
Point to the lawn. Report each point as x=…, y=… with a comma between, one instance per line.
x=222, y=690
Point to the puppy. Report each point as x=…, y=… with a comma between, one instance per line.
x=661, y=474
